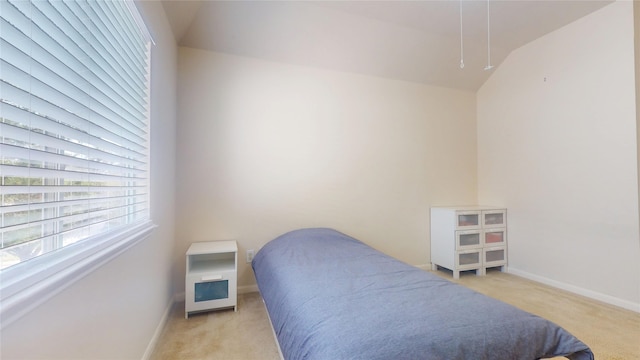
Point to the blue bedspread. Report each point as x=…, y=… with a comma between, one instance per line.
x=332, y=297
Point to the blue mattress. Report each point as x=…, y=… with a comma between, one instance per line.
x=332, y=297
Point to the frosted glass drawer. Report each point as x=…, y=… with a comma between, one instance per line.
x=469, y=259
x=467, y=220
x=468, y=239
x=494, y=218
x=495, y=256
x=211, y=290
x=494, y=237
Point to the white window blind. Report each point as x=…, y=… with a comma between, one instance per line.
x=74, y=124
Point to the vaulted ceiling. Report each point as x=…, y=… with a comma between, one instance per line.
x=417, y=41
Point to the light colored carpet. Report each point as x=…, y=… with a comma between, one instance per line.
x=611, y=332
x=223, y=334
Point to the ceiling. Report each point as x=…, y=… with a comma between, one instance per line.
x=417, y=41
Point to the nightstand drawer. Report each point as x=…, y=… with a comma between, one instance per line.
x=495, y=256
x=209, y=291
x=494, y=218
x=469, y=239
x=494, y=237
x=467, y=220
x=469, y=259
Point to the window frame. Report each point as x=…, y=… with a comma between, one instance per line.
x=28, y=284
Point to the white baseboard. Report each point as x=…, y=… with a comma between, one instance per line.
x=425, y=267
x=159, y=329
x=625, y=304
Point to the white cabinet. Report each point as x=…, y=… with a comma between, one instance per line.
x=468, y=238
x=211, y=276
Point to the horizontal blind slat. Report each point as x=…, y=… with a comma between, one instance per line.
x=74, y=45
x=59, y=29
x=66, y=201
x=16, y=96
x=17, y=79
x=80, y=21
x=68, y=175
x=60, y=62
x=30, y=78
x=15, y=155
x=102, y=19
x=75, y=139
x=85, y=209
x=81, y=223
x=68, y=189
x=21, y=137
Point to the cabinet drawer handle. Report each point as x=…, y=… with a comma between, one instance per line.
x=211, y=278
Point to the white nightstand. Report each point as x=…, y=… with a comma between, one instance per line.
x=211, y=276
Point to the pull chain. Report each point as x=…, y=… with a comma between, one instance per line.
x=489, y=66
x=461, y=43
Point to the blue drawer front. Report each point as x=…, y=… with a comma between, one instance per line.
x=211, y=291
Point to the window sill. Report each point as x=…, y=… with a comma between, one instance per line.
x=25, y=286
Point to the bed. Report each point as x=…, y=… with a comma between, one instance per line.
x=330, y=296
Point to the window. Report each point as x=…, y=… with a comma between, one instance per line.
x=74, y=129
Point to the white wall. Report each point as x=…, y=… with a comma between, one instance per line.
x=113, y=312
x=265, y=148
x=557, y=145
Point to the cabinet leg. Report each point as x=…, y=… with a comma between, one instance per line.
x=456, y=274
x=434, y=267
